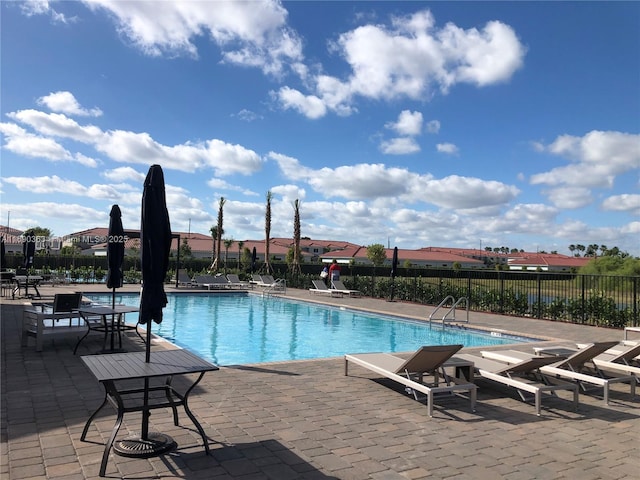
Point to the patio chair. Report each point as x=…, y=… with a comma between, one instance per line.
x=212, y=282
x=521, y=375
x=48, y=320
x=321, y=287
x=410, y=372
x=235, y=282
x=574, y=367
x=339, y=286
x=267, y=280
x=183, y=278
x=628, y=361
x=202, y=280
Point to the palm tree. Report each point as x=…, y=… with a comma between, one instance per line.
x=267, y=232
x=240, y=245
x=295, y=265
x=220, y=230
x=227, y=243
x=214, y=237
x=572, y=248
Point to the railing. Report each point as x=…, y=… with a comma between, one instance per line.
x=451, y=310
x=279, y=286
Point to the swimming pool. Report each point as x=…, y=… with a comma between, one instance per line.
x=236, y=329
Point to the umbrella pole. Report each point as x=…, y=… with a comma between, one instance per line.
x=146, y=413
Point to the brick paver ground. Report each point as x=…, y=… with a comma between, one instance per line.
x=306, y=420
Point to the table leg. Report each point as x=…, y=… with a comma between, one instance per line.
x=192, y=416
x=111, y=390
x=167, y=391
x=86, y=425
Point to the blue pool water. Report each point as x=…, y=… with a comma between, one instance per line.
x=240, y=329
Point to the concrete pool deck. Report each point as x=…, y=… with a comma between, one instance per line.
x=306, y=420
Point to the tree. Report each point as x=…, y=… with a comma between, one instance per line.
x=240, y=245
x=295, y=264
x=214, y=237
x=376, y=254
x=267, y=233
x=219, y=232
x=227, y=244
x=572, y=248
x=185, y=249
x=246, y=257
x=580, y=248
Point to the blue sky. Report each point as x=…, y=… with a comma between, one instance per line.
x=462, y=124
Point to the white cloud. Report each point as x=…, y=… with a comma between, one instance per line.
x=399, y=146
x=42, y=7
x=413, y=59
x=20, y=142
x=408, y=123
x=308, y=105
x=65, y=102
x=248, y=115
x=248, y=33
x=448, y=148
x=377, y=182
x=458, y=192
x=570, y=197
x=623, y=203
x=55, y=184
x=123, y=174
x=218, y=183
x=57, y=125
x=598, y=158
x=433, y=126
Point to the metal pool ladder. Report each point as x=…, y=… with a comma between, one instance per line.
x=279, y=286
x=451, y=311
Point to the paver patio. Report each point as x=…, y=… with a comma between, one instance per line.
x=306, y=420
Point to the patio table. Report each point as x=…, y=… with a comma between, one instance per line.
x=23, y=282
x=112, y=370
x=111, y=323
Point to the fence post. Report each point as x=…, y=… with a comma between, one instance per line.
x=636, y=321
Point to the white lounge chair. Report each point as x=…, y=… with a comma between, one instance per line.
x=410, y=372
x=574, y=367
x=627, y=361
x=339, y=286
x=521, y=375
x=321, y=287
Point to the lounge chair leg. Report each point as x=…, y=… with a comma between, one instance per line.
x=473, y=393
x=538, y=397
x=430, y=404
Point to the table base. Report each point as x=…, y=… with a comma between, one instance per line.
x=156, y=444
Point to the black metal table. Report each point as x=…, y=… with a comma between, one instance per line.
x=114, y=368
x=111, y=323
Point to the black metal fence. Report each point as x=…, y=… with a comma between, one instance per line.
x=612, y=301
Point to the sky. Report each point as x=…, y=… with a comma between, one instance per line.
x=410, y=124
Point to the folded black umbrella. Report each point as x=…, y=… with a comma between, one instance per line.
x=155, y=246
x=115, y=251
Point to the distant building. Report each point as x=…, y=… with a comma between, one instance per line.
x=547, y=262
x=93, y=241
